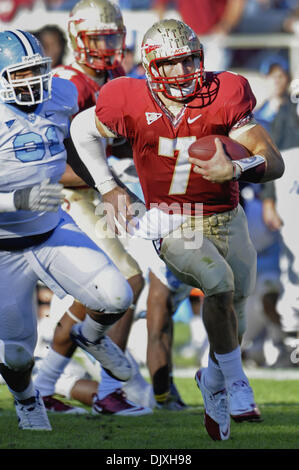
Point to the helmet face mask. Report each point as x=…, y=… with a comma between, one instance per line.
x=172, y=41
x=100, y=51
x=97, y=34
x=180, y=86
x=27, y=90
x=25, y=76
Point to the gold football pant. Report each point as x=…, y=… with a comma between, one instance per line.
x=219, y=257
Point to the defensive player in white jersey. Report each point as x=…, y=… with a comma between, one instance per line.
x=38, y=240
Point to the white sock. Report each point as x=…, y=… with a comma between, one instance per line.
x=51, y=369
x=197, y=331
x=214, y=379
x=107, y=385
x=231, y=366
x=92, y=330
x=29, y=392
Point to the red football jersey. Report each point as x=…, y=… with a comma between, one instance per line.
x=87, y=87
x=160, y=142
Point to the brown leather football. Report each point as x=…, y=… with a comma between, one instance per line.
x=204, y=148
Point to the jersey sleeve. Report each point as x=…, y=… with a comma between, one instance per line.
x=65, y=101
x=239, y=102
x=69, y=75
x=66, y=94
x=110, y=106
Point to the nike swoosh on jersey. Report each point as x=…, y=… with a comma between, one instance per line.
x=191, y=120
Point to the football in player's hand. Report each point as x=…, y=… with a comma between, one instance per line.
x=204, y=148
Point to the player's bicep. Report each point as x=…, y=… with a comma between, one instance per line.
x=256, y=139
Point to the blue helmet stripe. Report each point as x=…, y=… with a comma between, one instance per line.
x=23, y=39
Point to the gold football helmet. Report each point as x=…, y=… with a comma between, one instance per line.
x=97, y=34
x=166, y=41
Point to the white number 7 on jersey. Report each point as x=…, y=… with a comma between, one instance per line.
x=181, y=174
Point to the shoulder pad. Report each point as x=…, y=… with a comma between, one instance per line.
x=62, y=72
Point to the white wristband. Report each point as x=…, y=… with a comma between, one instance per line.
x=236, y=171
x=240, y=166
x=7, y=202
x=107, y=185
x=250, y=162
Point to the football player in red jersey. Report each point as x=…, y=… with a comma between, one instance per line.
x=97, y=35
x=161, y=116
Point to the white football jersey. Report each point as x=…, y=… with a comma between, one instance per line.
x=31, y=150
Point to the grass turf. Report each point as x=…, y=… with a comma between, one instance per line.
x=164, y=430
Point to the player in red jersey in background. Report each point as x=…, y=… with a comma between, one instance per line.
x=161, y=117
x=97, y=36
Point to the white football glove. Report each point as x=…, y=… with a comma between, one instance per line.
x=44, y=197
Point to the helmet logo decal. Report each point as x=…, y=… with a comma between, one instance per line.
x=149, y=48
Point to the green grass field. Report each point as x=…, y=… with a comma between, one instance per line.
x=164, y=431
x=278, y=401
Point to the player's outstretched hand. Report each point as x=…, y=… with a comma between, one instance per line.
x=44, y=197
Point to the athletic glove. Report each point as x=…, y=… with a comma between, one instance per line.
x=44, y=197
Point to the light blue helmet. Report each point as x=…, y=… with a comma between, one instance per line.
x=20, y=51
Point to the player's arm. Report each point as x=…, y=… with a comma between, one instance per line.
x=70, y=178
x=265, y=163
x=260, y=145
x=271, y=217
x=86, y=133
x=75, y=174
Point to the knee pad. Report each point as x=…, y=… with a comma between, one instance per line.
x=15, y=356
x=114, y=292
